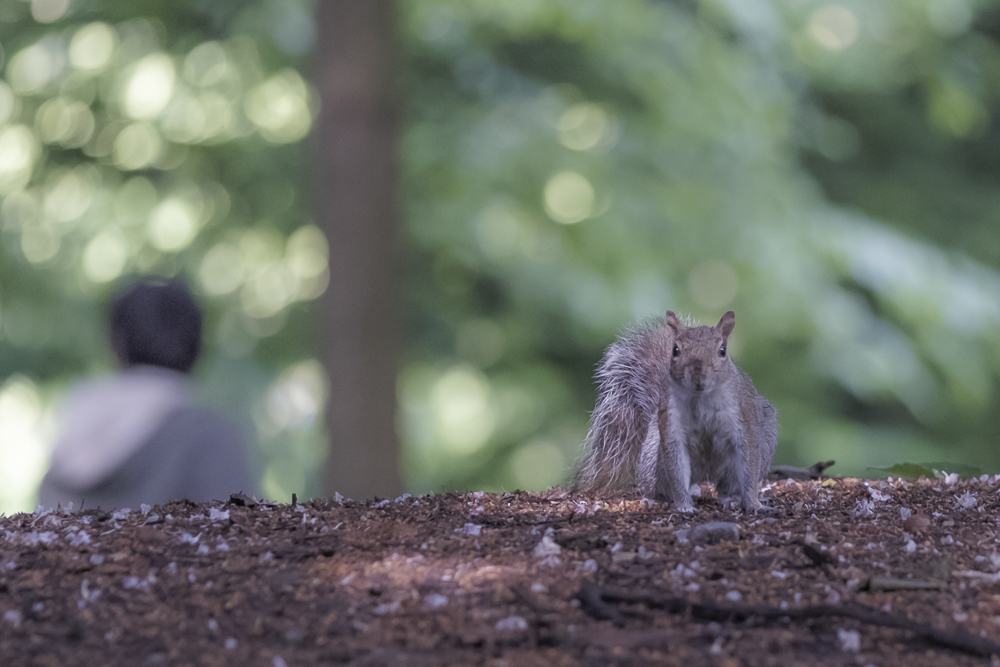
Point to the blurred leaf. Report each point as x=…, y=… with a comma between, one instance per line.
x=908, y=470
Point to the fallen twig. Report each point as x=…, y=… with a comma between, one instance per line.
x=988, y=577
x=598, y=603
x=892, y=584
x=815, y=471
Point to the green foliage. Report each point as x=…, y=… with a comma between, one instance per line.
x=157, y=137
x=575, y=166
x=570, y=167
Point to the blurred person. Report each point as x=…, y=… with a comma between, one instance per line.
x=137, y=436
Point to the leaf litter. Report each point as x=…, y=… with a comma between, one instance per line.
x=838, y=571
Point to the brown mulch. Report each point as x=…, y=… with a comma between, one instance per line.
x=831, y=575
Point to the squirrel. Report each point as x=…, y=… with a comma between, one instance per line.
x=673, y=408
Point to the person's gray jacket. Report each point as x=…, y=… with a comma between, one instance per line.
x=135, y=439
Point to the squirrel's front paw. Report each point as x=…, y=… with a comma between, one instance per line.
x=684, y=505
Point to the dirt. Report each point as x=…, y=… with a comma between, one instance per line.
x=516, y=579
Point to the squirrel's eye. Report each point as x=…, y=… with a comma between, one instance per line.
x=722, y=350
x=677, y=351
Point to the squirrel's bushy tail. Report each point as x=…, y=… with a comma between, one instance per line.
x=629, y=380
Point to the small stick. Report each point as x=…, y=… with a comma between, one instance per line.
x=815, y=471
x=594, y=598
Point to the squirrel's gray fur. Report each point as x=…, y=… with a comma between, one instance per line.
x=673, y=408
x=630, y=377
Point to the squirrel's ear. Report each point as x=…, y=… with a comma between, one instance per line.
x=674, y=323
x=726, y=324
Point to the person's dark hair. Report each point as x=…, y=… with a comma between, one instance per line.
x=156, y=322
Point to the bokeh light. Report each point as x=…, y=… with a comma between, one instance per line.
x=569, y=197
x=279, y=107
x=64, y=121
x=582, y=126
x=306, y=255
x=92, y=47
x=150, y=84
x=9, y=104
x=221, y=270
x=47, y=11
x=25, y=426
x=207, y=64
x=104, y=257
x=32, y=68
x=463, y=413
x=268, y=290
x=68, y=194
x=834, y=27
x=137, y=146
x=173, y=224
x=297, y=397
x=19, y=150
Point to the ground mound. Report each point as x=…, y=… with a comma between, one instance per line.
x=838, y=572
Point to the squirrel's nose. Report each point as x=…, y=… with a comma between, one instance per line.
x=698, y=376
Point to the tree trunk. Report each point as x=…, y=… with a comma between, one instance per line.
x=355, y=144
